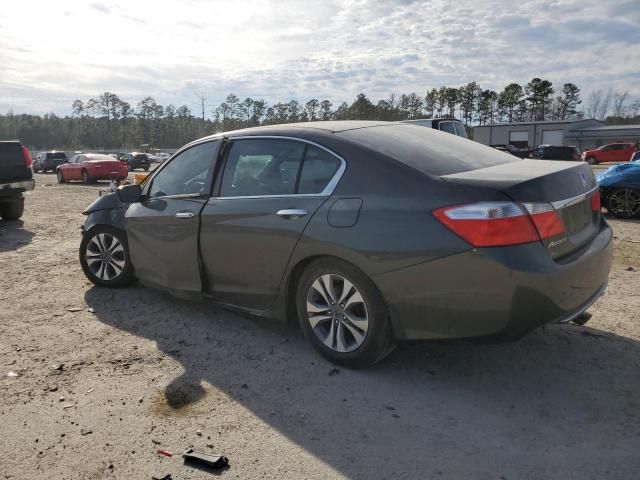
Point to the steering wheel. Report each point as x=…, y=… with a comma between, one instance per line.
x=251, y=185
x=195, y=181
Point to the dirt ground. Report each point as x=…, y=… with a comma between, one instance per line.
x=106, y=378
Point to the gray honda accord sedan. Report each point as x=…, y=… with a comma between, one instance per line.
x=368, y=232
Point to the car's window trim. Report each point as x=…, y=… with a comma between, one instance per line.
x=326, y=192
x=210, y=176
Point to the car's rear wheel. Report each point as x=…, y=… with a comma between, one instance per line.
x=104, y=257
x=85, y=177
x=12, y=209
x=624, y=203
x=146, y=169
x=343, y=314
x=591, y=160
x=60, y=176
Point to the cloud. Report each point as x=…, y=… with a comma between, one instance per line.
x=102, y=7
x=287, y=49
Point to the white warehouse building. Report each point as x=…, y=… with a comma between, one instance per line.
x=584, y=134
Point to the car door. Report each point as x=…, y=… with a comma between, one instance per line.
x=162, y=228
x=608, y=154
x=72, y=169
x=269, y=189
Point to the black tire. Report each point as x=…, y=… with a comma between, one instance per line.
x=378, y=341
x=122, y=279
x=12, y=209
x=146, y=169
x=591, y=160
x=624, y=203
x=85, y=176
x=60, y=176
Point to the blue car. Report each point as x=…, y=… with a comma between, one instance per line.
x=620, y=188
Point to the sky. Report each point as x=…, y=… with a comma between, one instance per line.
x=53, y=52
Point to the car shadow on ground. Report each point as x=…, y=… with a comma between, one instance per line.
x=610, y=216
x=560, y=403
x=13, y=235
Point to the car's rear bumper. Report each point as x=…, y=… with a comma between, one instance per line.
x=503, y=291
x=105, y=176
x=17, y=186
x=108, y=173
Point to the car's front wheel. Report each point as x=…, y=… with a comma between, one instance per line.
x=343, y=314
x=104, y=257
x=624, y=203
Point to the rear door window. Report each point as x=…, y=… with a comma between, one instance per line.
x=259, y=167
x=318, y=169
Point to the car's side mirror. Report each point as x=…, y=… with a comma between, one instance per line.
x=129, y=193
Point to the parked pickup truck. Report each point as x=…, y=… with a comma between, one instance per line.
x=614, y=152
x=15, y=178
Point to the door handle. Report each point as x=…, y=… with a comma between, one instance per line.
x=185, y=214
x=291, y=213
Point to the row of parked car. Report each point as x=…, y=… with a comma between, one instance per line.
x=49, y=161
x=613, y=152
x=90, y=167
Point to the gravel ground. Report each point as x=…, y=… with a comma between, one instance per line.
x=105, y=378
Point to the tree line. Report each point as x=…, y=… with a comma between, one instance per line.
x=109, y=122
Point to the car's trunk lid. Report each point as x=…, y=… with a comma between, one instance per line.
x=568, y=186
x=105, y=163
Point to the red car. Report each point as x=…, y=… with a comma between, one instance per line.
x=614, y=152
x=90, y=167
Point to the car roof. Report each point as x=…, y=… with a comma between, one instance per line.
x=427, y=150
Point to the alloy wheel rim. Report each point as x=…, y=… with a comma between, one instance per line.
x=625, y=202
x=105, y=256
x=337, y=313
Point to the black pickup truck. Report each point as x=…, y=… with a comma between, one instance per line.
x=15, y=178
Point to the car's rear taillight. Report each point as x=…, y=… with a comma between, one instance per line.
x=545, y=219
x=27, y=158
x=493, y=224
x=595, y=202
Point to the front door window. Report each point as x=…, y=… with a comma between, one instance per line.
x=186, y=174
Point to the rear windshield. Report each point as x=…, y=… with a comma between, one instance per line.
x=141, y=156
x=428, y=150
x=57, y=155
x=462, y=132
x=98, y=156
